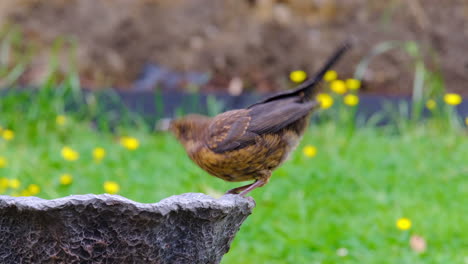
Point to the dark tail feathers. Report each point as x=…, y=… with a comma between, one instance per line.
x=306, y=88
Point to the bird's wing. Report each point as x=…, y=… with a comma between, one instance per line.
x=273, y=116
x=228, y=131
x=240, y=128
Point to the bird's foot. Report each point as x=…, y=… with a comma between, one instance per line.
x=237, y=190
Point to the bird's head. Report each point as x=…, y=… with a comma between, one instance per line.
x=190, y=128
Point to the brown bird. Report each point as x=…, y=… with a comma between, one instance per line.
x=248, y=144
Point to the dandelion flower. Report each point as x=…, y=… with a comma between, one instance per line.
x=66, y=179
x=4, y=183
x=14, y=183
x=330, y=76
x=338, y=86
x=129, y=143
x=8, y=134
x=99, y=154
x=60, y=120
x=403, y=224
x=24, y=193
x=325, y=100
x=431, y=104
x=3, y=162
x=33, y=189
x=351, y=100
x=298, y=76
x=310, y=151
x=353, y=84
x=69, y=154
x=452, y=99
x=466, y=121
x=111, y=187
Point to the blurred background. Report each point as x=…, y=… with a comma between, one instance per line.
x=380, y=177
x=210, y=43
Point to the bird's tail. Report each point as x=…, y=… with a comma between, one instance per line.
x=306, y=89
x=307, y=86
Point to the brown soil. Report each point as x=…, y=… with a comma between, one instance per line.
x=258, y=41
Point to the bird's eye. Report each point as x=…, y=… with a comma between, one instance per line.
x=183, y=130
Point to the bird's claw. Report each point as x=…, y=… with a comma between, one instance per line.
x=232, y=191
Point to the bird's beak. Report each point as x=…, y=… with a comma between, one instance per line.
x=163, y=124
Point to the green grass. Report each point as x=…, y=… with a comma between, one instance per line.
x=348, y=196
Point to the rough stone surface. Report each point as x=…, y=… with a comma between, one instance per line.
x=187, y=228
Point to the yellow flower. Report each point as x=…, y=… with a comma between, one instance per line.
x=111, y=187
x=338, y=86
x=33, y=189
x=130, y=143
x=66, y=179
x=325, y=100
x=310, y=151
x=8, y=134
x=353, y=84
x=452, y=99
x=99, y=154
x=351, y=100
x=466, y=121
x=298, y=76
x=24, y=193
x=1, y=128
x=3, y=162
x=69, y=154
x=4, y=183
x=60, y=120
x=403, y=224
x=330, y=76
x=14, y=183
x=431, y=104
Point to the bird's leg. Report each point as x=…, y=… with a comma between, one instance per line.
x=250, y=187
x=240, y=189
x=243, y=190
